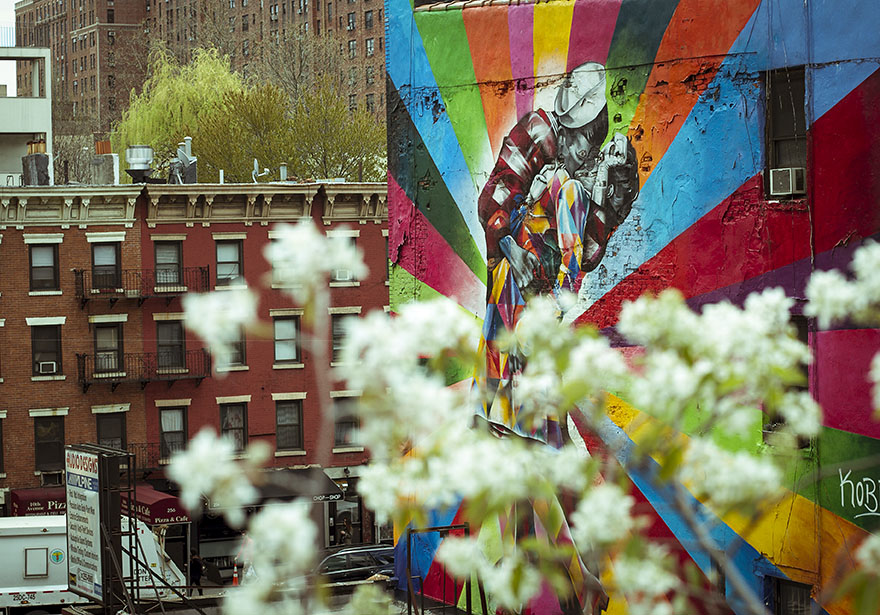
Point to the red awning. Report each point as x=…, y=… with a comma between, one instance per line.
x=156, y=508
x=39, y=501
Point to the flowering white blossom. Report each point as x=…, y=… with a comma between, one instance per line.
x=302, y=257
x=645, y=580
x=603, y=516
x=207, y=468
x=219, y=317
x=284, y=540
x=512, y=581
x=831, y=297
x=868, y=554
x=728, y=479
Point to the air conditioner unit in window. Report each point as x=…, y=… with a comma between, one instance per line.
x=342, y=275
x=48, y=367
x=787, y=181
x=50, y=479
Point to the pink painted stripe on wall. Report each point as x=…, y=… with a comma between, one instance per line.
x=434, y=262
x=520, y=21
x=843, y=360
x=591, y=43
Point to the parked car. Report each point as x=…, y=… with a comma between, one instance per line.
x=356, y=563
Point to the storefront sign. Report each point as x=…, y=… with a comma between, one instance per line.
x=83, y=524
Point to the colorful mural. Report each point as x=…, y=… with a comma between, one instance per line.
x=494, y=110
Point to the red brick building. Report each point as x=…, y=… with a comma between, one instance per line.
x=93, y=348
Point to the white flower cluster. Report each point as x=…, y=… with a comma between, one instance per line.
x=603, y=517
x=728, y=362
x=728, y=479
x=511, y=581
x=219, y=318
x=645, y=579
x=208, y=468
x=302, y=257
x=283, y=553
x=834, y=298
x=403, y=401
x=868, y=554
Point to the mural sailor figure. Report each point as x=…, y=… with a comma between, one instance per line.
x=549, y=207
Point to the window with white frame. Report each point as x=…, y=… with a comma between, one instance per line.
x=171, y=352
x=229, y=262
x=46, y=349
x=371, y=47
x=346, y=422
x=108, y=347
x=48, y=443
x=289, y=425
x=233, y=424
x=106, y=272
x=286, y=334
x=111, y=429
x=172, y=430
x=44, y=267
x=168, y=255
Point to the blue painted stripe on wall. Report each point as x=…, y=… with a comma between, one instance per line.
x=717, y=149
x=746, y=558
x=410, y=73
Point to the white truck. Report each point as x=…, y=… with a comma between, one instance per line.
x=33, y=565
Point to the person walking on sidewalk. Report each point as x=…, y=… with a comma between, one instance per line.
x=196, y=570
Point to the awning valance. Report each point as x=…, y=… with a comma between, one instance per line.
x=154, y=507
x=38, y=501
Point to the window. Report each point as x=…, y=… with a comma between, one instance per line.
x=329, y=12
x=370, y=74
x=790, y=598
x=352, y=49
x=111, y=430
x=106, y=273
x=371, y=47
x=351, y=21
x=368, y=20
x=168, y=262
x=245, y=48
x=49, y=443
x=786, y=119
x=288, y=425
x=346, y=427
x=44, y=267
x=110, y=16
x=352, y=102
x=108, y=348
x=46, y=349
x=370, y=101
x=245, y=24
x=341, y=274
x=229, y=265
x=287, y=339
x=2, y=467
x=172, y=431
x=236, y=352
x=233, y=424
x=352, y=76
x=338, y=332
x=170, y=344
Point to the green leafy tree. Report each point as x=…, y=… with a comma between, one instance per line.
x=174, y=99
x=251, y=123
x=330, y=140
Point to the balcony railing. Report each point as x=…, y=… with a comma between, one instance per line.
x=140, y=284
x=151, y=455
x=146, y=367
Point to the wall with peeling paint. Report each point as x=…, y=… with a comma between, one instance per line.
x=686, y=83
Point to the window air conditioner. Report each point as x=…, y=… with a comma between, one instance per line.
x=787, y=181
x=48, y=367
x=342, y=275
x=50, y=479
